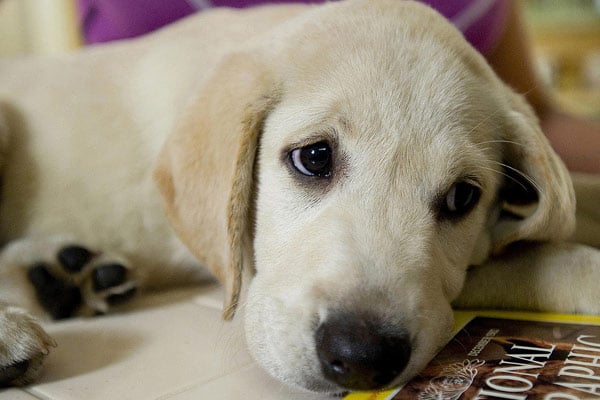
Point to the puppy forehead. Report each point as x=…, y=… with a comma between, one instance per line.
x=419, y=89
x=393, y=111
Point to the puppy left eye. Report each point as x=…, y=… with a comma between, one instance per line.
x=313, y=160
x=460, y=199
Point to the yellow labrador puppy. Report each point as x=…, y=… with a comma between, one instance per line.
x=348, y=162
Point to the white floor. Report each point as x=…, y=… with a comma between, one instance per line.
x=172, y=345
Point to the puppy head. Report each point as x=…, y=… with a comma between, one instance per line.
x=384, y=145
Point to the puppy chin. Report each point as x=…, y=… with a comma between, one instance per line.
x=302, y=380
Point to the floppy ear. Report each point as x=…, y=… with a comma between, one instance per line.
x=535, y=177
x=205, y=169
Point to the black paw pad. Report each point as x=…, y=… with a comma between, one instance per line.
x=59, y=298
x=73, y=258
x=9, y=373
x=107, y=276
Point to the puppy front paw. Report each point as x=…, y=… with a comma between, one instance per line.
x=23, y=347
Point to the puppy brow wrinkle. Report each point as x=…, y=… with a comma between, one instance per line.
x=483, y=121
x=502, y=141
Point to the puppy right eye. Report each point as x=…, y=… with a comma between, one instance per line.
x=313, y=160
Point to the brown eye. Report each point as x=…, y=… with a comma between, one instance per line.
x=460, y=199
x=313, y=160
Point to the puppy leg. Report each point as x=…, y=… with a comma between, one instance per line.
x=558, y=277
x=23, y=343
x=23, y=346
x=58, y=278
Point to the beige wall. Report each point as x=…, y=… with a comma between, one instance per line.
x=37, y=26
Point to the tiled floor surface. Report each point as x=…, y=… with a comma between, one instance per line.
x=172, y=345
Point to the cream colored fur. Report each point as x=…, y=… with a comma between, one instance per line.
x=203, y=115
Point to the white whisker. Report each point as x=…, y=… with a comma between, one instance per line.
x=524, y=175
x=512, y=178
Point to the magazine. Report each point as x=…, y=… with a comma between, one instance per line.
x=510, y=356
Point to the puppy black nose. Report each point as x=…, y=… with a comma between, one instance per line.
x=356, y=354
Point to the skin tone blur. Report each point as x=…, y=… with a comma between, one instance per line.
x=575, y=139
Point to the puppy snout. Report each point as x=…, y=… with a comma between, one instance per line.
x=355, y=353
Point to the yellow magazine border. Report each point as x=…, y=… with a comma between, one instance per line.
x=462, y=317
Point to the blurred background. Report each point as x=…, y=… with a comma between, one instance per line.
x=566, y=36
x=565, y=33
x=37, y=26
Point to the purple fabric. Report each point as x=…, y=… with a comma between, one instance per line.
x=249, y=3
x=106, y=20
x=481, y=21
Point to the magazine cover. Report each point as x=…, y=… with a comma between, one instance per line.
x=518, y=359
